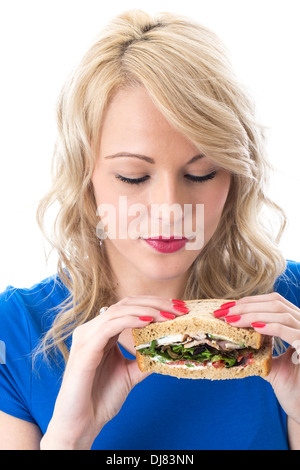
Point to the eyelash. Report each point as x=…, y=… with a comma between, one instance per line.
x=192, y=178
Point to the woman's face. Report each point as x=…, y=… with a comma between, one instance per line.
x=138, y=143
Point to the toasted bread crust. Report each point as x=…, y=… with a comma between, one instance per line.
x=261, y=366
x=199, y=318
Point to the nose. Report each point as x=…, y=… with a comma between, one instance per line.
x=168, y=196
x=167, y=190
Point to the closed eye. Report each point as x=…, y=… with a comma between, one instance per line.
x=131, y=180
x=192, y=178
x=201, y=179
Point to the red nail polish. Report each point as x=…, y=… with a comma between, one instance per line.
x=181, y=309
x=258, y=324
x=232, y=318
x=228, y=305
x=146, y=318
x=179, y=302
x=221, y=312
x=168, y=315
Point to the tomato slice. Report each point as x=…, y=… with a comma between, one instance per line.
x=218, y=364
x=249, y=359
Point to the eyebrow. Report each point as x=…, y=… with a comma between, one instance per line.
x=149, y=159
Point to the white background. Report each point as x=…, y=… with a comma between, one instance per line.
x=41, y=41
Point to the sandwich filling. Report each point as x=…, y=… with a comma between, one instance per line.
x=199, y=349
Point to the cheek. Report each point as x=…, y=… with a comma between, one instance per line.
x=112, y=211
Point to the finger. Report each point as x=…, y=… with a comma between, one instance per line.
x=114, y=327
x=162, y=312
x=95, y=334
x=287, y=334
x=250, y=319
x=273, y=296
x=160, y=303
x=281, y=330
x=92, y=339
x=271, y=306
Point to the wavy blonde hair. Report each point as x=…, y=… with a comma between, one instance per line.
x=185, y=69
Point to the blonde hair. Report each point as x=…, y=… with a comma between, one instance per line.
x=185, y=69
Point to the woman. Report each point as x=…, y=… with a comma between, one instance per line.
x=153, y=114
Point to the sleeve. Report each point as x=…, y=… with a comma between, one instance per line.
x=288, y=283
x=15, y=357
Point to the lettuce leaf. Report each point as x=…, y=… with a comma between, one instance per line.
x=177, y=352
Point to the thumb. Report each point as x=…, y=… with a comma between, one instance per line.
x=136, y=375
x=281, y=367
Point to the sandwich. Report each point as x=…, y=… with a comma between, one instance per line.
x=199, y=346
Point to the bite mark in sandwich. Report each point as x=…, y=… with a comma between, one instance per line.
x=198, y=345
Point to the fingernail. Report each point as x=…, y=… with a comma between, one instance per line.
x=181, y=309
x=258, y=324
x=169, y=315
x=146, y=318
x=228, y=305
x=180, y=302
x=232, y=318
x=221, y=312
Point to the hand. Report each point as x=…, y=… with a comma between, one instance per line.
x=271, y=314
x=98, y=377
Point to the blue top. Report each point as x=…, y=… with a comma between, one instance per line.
x=161, y=412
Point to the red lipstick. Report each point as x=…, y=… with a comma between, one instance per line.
x=166, y=245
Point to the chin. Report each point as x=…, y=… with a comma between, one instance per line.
x=163, y=269
x=153, y=265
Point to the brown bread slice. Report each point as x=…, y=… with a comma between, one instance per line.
x=201, y=319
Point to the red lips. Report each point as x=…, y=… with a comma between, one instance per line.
x=166, y=245
x=161, y=237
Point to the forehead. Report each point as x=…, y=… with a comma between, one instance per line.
x=135, y=104
x=133, y=123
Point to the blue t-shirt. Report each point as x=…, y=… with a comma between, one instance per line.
x=161, y=412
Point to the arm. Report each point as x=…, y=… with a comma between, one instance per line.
x=98, y=378
x=17, y=434
x=273, y=315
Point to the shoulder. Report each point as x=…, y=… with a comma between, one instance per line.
x=30, y=308
x=288, y=282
